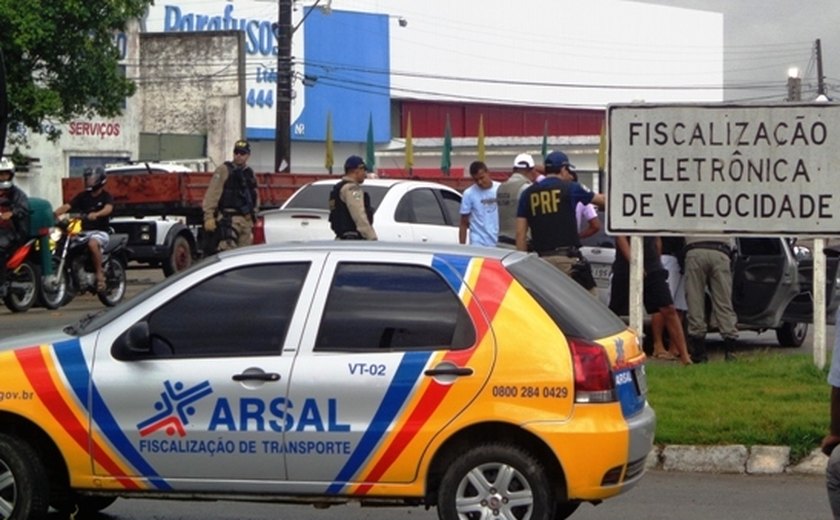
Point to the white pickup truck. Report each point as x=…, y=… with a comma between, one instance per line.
x=404, y=211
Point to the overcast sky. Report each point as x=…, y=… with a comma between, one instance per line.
x=764, y=38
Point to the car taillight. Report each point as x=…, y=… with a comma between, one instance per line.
x=259, y=231
x=593, y=376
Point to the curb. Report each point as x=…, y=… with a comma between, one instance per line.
x=736, y=458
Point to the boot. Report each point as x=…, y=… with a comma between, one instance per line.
x=697, y=345
x=729, y=349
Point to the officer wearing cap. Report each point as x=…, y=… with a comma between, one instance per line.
x=231, y=201
x=547, y=209
x=507, y=197
x=351, y=215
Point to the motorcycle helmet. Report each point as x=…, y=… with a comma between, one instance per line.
x=95, y=178
x=6, y=165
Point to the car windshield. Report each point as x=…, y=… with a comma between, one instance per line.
x=573, y=309
x=317, y=196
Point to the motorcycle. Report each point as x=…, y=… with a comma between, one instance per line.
x=73, y=271
x=23, y=277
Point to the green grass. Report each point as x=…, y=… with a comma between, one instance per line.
x=766, y=399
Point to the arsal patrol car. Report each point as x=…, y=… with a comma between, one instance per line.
x=480, y=381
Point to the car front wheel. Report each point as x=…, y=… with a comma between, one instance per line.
x=24, y=490
x=495, y=481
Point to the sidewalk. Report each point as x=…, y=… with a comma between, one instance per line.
x=737, y=458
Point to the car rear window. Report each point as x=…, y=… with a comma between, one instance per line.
x=317, y=196
x=573, y=309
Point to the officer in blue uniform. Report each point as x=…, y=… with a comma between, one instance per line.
x=547, y=209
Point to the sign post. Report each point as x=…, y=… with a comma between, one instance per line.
x=725, y=169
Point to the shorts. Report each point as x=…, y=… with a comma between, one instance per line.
x=100, y=236
x=656, y=293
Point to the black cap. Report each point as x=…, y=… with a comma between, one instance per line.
x=242, y=146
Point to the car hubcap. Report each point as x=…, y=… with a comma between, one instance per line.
x=8, y=492
x=494, y=490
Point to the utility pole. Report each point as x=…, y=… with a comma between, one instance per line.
x=820, y=77
x=282, y=137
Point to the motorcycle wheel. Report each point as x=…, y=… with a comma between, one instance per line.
x=23, y=288
x=115, y=281
x=55, y=291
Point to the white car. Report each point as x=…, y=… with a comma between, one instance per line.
x=404, y=211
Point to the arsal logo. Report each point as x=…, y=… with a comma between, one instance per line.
x=174, y=408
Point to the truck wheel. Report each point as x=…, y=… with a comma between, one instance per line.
x=180, y=256
x=24, y=487
x=496, y=481
x=792, y=334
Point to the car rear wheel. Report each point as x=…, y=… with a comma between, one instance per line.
x=24, y=489
x=792, y=334
x=496, y=481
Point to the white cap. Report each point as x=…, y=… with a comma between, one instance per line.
x=523, y=160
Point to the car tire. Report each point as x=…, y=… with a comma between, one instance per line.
x=470, y=487
x=792, y=335
x=180, y=256
x=24, y=486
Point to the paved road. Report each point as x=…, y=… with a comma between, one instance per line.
x=40, y=318
x=660, y=496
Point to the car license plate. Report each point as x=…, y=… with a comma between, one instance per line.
x=601, y=271
x=640, y=379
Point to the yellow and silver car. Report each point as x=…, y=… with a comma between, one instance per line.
x=481, y=381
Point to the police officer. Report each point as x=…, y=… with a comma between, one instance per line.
x=351, y=215
x=14, y=216
x=708, y=263
x=507, y=197
x=547, y=209
x=232, y=199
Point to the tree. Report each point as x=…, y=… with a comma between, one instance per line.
x=62, y=60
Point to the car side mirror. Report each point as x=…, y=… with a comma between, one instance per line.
x=133, y=343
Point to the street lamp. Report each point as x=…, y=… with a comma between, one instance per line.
x=794, y=85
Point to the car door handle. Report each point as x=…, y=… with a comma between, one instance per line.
x=255, y=376
x=449, y=371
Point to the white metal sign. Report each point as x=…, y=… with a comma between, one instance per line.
x=717, y=168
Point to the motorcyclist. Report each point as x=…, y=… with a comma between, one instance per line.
x=96, y=205
x=14, y=216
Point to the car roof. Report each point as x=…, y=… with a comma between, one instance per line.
x=379, y=247
x=388, y=183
